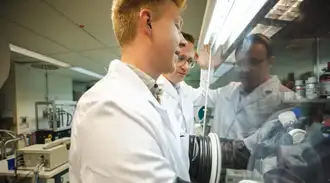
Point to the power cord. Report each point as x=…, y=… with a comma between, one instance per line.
x=35, y=178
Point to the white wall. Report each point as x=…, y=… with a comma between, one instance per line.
x=31, y=87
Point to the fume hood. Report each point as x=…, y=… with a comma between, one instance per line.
x=227, y=22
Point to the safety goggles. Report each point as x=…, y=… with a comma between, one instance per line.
x=183, y=60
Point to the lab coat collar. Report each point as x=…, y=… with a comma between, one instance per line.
x=272, y=85
x=131, y=80
x=168, y=87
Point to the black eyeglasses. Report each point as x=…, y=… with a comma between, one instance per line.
x=183, y=60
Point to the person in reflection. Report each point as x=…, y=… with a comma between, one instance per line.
x=179, y=98
x=243, y=107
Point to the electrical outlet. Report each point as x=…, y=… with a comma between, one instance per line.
x=24, y=123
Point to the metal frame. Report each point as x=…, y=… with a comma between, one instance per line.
x=53, y=106
x=257, y=19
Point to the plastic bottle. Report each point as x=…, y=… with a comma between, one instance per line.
x=312, y=88
x=325, y=83
x=290, y=121
x=299, y=88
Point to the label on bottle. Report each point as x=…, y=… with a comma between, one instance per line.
x=312, y=91
x=325, y=87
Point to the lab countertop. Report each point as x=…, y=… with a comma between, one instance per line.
x=29, y=173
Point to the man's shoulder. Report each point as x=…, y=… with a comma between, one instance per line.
x=231, y=87
x=109, y=93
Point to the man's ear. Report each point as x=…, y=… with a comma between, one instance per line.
x=146, y=20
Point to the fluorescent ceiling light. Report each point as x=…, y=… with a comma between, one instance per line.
x=38, y=56
x=219, y=16
x=240, y=16
x=285, y=10
x=87, y=72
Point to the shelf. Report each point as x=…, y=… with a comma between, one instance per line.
x=307, y=101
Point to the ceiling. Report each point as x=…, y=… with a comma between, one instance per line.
x=78, y=32
x=313, y=21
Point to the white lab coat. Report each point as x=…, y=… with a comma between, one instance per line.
x=120, y=133
x=180, y=102
x=237, y=115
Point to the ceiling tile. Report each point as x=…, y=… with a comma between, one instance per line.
x=45, y=20
x=78, y=60
x=94, y=16
x=29, y=40
x=103, y=55
x=76, y=76
x=116, y=51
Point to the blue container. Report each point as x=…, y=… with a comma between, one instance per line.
x=11, y=164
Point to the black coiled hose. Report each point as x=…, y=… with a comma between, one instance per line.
x=200, y=155
x=208, y=154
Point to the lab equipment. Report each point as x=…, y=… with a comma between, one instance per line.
x=325, y=83
x=292, y=121
x=11, y=163
x=326, y=128
x=312, y=88
x=51, y=155
x=209, y=154
x=299, y=88
x=9, y=141
x=53, y=118
x=205, y=158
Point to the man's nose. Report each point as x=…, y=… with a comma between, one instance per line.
x=183, y=41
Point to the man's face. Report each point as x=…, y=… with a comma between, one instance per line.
x=184, y=63
x=166, y=38
x=253, y=64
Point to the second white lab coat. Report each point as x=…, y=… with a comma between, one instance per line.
x=238, y=115
x=120, y=133
x=180, y=102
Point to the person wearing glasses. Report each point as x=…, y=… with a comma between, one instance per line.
x=178, y=97
x=241, y=108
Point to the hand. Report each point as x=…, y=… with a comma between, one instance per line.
x=269, y=134
x=204, y=57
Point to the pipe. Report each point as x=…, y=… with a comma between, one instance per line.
x=47, y=87
x=9, y=141
x=1, y=149
x=10, y=133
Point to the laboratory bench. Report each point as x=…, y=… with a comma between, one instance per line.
x=55, y=175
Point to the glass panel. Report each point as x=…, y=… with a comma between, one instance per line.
x=272, y=90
